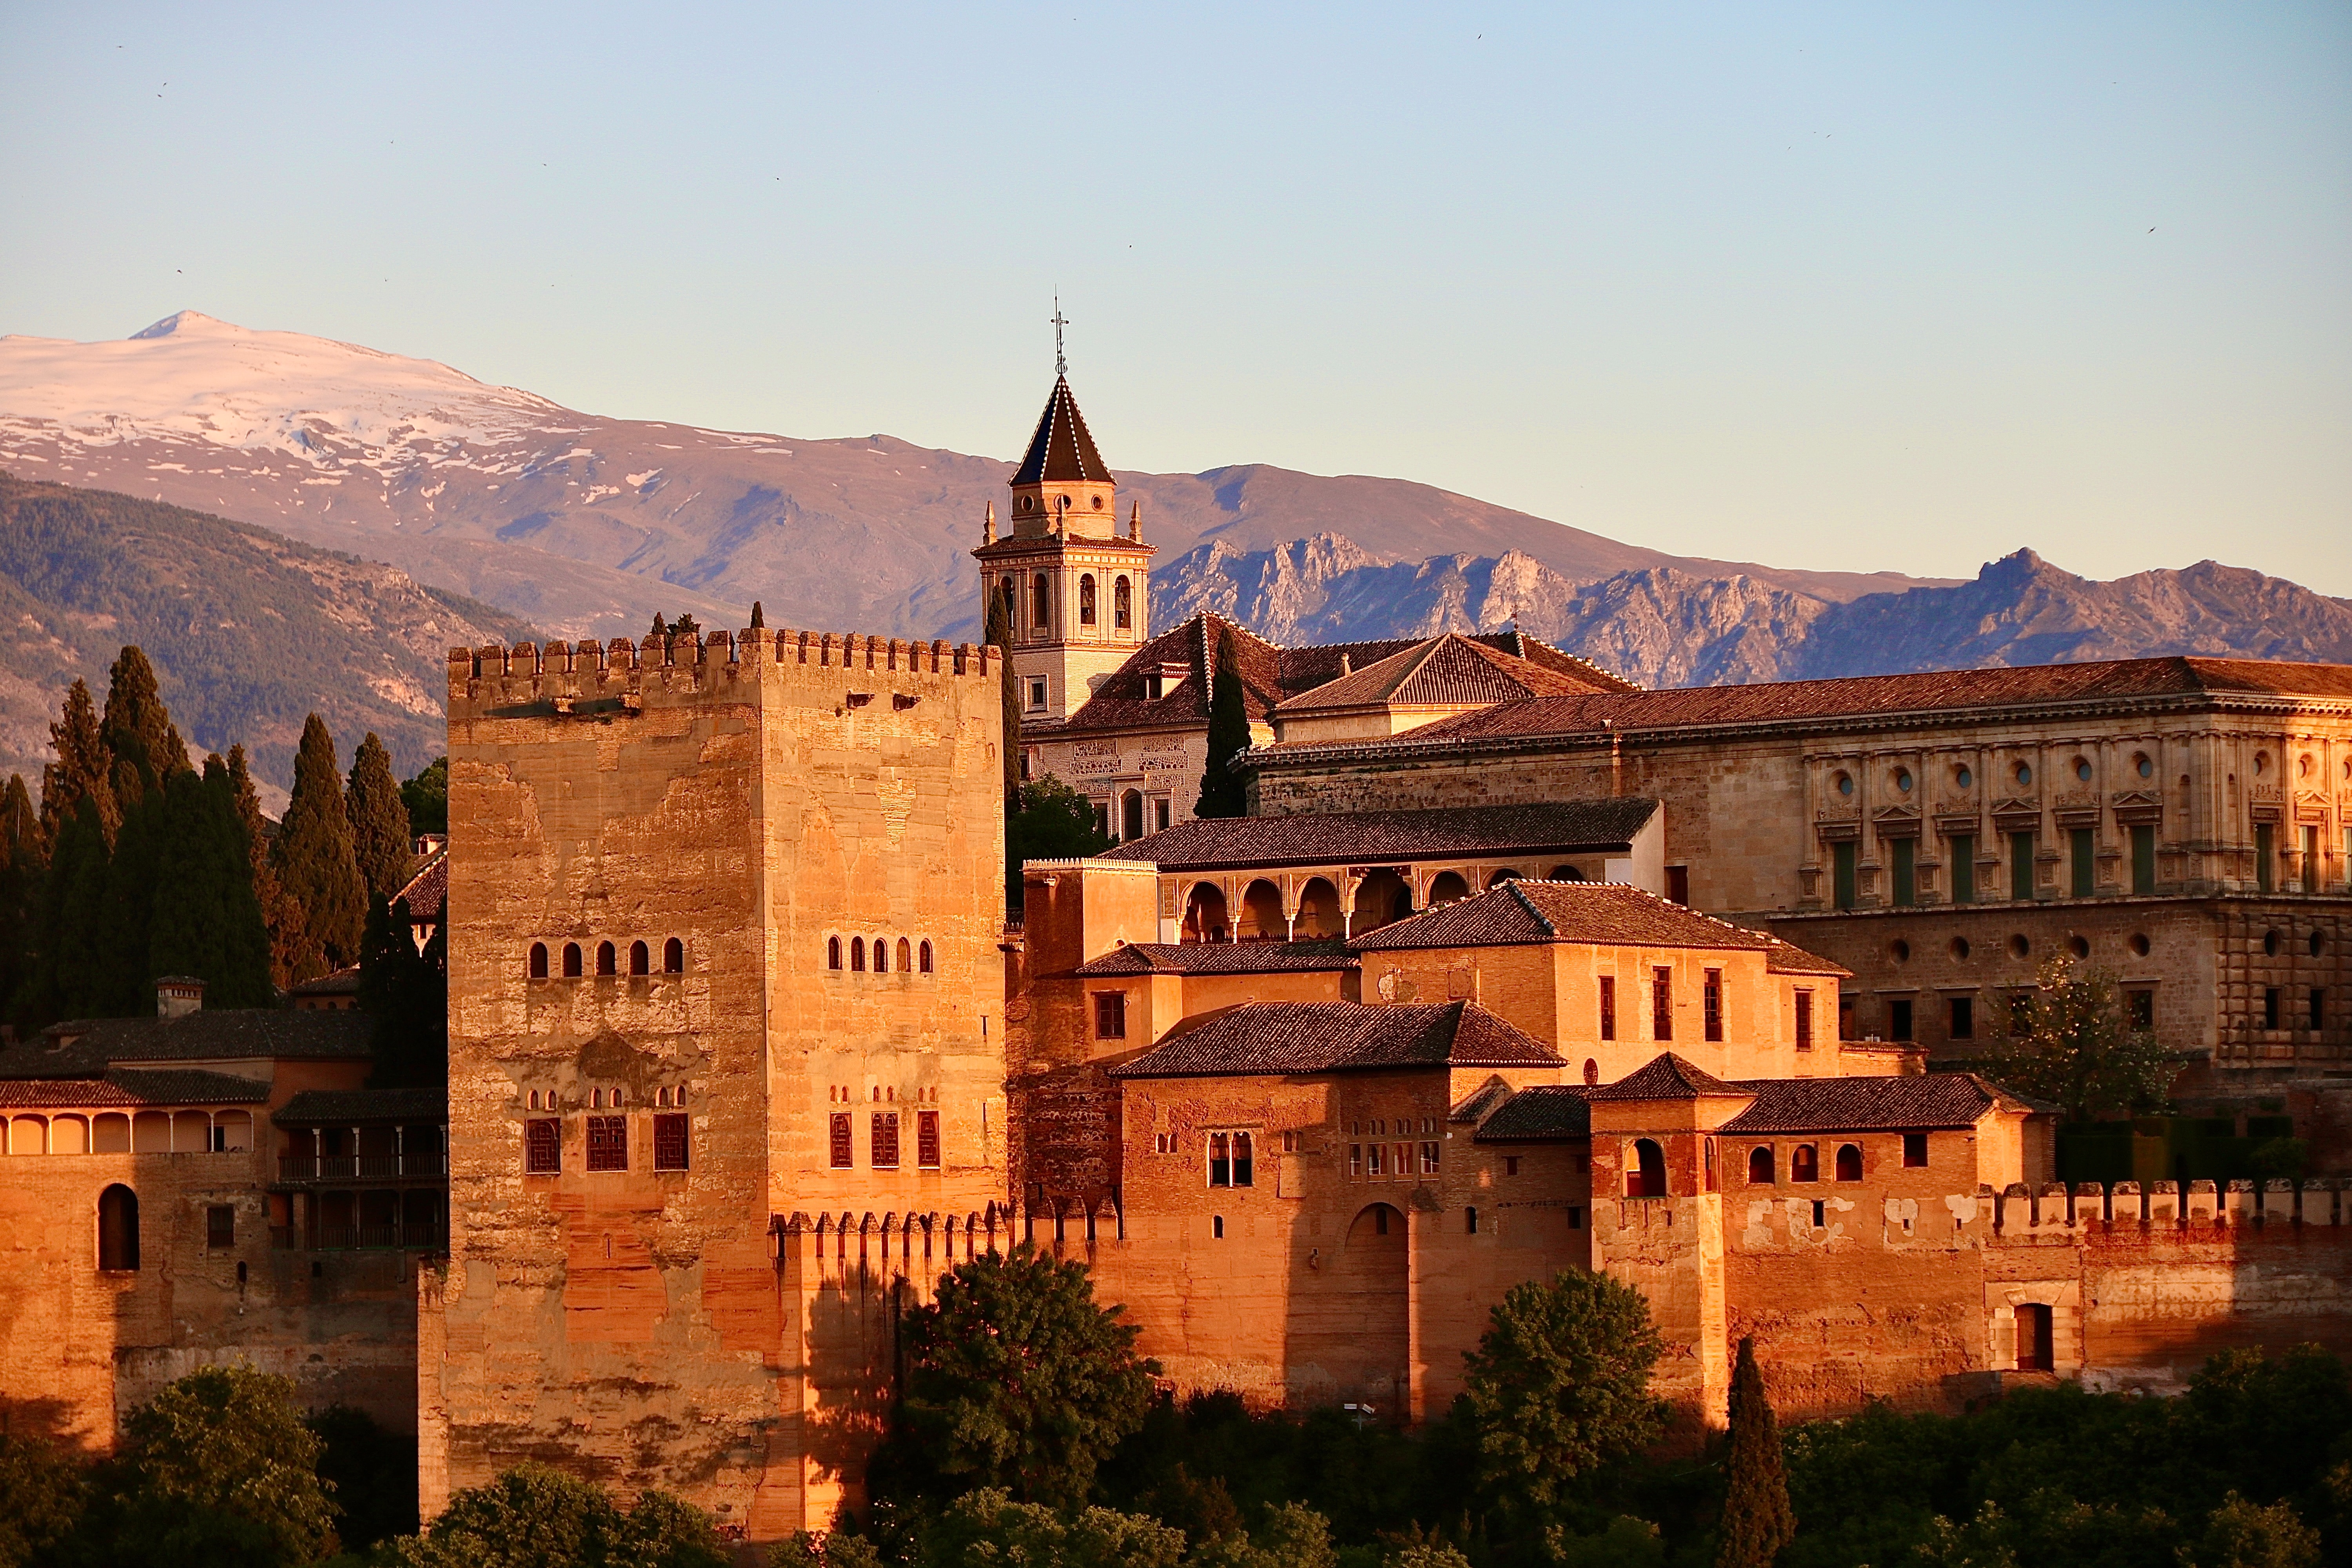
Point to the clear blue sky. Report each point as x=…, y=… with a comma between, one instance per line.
x=1865, y=287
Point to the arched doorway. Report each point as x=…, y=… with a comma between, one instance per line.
x=1318, y=911
x=1446, y=885
x=1381, y=897
x=1204, y=914
x=1130, y=815
x=1375, y=1273
x=1645, y=1173
x=1261, y=917
x=118, y=1229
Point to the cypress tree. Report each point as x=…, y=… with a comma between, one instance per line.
x=314, y=859
x=137, y=730
x=83, y=771
x=281, y=912
x=380, y=838
x=71, y=980
x=206, y=920
x=23, y=869
x=1221, y=788
x=408, y=994
x=122, y=941
x=1757, y=1518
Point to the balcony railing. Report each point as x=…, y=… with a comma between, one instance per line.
x=363, y=1238
x=309, y=1168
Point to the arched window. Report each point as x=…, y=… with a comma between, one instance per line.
x=833, y=952
x=1130, y=815
x=1759, y=1165
x=641, y=959
x=1122, y=605
x=1086, y=599
x=1039, y=599
x=923, y=956
x=1646, y=1177
x=1447, y=884
x=118, y=1229
x=857, y=954
x=1507, y=874
x=906, y=951
x=1566, y=874
x=1011, y=595
x=571, y=961
x=608, y=961
x=1804, y=1163
x=672, y=957
x=1849, y=1163
x=881, y=955
x=538, y=961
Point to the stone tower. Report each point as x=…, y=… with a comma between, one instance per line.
x=724, y=915
x=1073, y=580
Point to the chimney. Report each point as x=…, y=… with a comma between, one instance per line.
x=177, y=995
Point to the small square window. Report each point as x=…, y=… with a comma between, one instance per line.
x=1037, y=693
x=1510, y=1165
x=1914, y=1150
x=220, y=1226
x=1110, y=1014
x=1575, y=1217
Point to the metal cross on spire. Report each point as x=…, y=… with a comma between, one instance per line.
x=1061, y=364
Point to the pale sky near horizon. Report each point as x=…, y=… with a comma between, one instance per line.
x=1865, y=287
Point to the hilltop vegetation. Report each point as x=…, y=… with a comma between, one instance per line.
x=247, y=632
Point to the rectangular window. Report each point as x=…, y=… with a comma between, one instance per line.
x=2021, y=864
x=884, y=1149
x=843, y=1157
x=2142, y=837
x=1575, y=1217
x=1906, y=854
x=1429, y=1159
x=1221, y=1160
x=926, y=1139
x=1378, y=1154
x=2318, y=1007
x=1245, y=1159
x=1037, y=694
x=2311, y=861
x=1964, y=1017
x=1714, y=993
x=670, y=1141
x=2143, y=1009
x=1661, y=1004
x=1678, y=885
x=542, y=1147
x=1356, y=1160
x=1914, y=1150
x=1961, y=848
x=1510, y=1165
x=1842, y=855
x=1607, y=1007
x=220, y=1226
x=1845, y=1016
x=608, y=1143
x=2266, y=853
x=2271, y=1008
x=1804, y=1020
x=2034, y=1338
x=2079, y=846
x=1160, y=814
x=1110, y=1014
x=1898, y=1019
x=2021, y=1013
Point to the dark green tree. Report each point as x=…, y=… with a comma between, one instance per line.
x=139, y=733
x=427, y=798
x=219, y=1468
x=23, y=870
x=1221, y=793
x=380, y=835
x=2070, y=1044
x=1015, y=1378
x=373, y=1472
x=314, y=859
x=535, y=1517
x=1559, y=1386
x=84, y=769
x=407, y=993
x=989, y=1526
x=1757, y=1518
x=281, y=912
x=1055, y=821
x=43, y=1491
x=66, y=951
x=206, y=920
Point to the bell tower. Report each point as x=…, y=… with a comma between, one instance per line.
x=1072, y=581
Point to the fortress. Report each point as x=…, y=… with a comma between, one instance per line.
x=1515, y=969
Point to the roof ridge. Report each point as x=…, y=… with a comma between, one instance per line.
x=1529, y=904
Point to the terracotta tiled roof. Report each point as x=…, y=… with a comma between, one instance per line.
x=1221, y=958
x=1287, y=1038
x=1667, y=1076
x=1061, y=449
x=1867, y=1104
x=1451, y=670
x=429, y=888
x=1541, y=1114
x=84, y=1048
x=175, y=1086
x=342, y=983
x=314, y=1107
x=1358, y=838
x=1888, y=696
x=1269, y=675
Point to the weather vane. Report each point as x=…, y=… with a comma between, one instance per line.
x=1061, y=365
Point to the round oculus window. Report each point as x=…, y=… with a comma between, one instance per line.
x=2082, y=770
x=1964, y=778
x=1902, y=780
x=1846, y=783
x=2146, y=768
x=2024, y=773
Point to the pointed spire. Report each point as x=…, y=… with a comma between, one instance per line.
x=1135, y=522
x=1061, y=449
x=1061, y=361
x=988, y=525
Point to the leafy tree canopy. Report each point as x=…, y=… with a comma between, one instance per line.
x=427, y=798
x=537, y=1517
x=986, y=1529
x=1053, y=822
x=1559, y=1385
x=2069, y=1044
x=1016, y=1378
x=219, y=1468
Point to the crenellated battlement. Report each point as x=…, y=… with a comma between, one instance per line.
x=622, y=659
